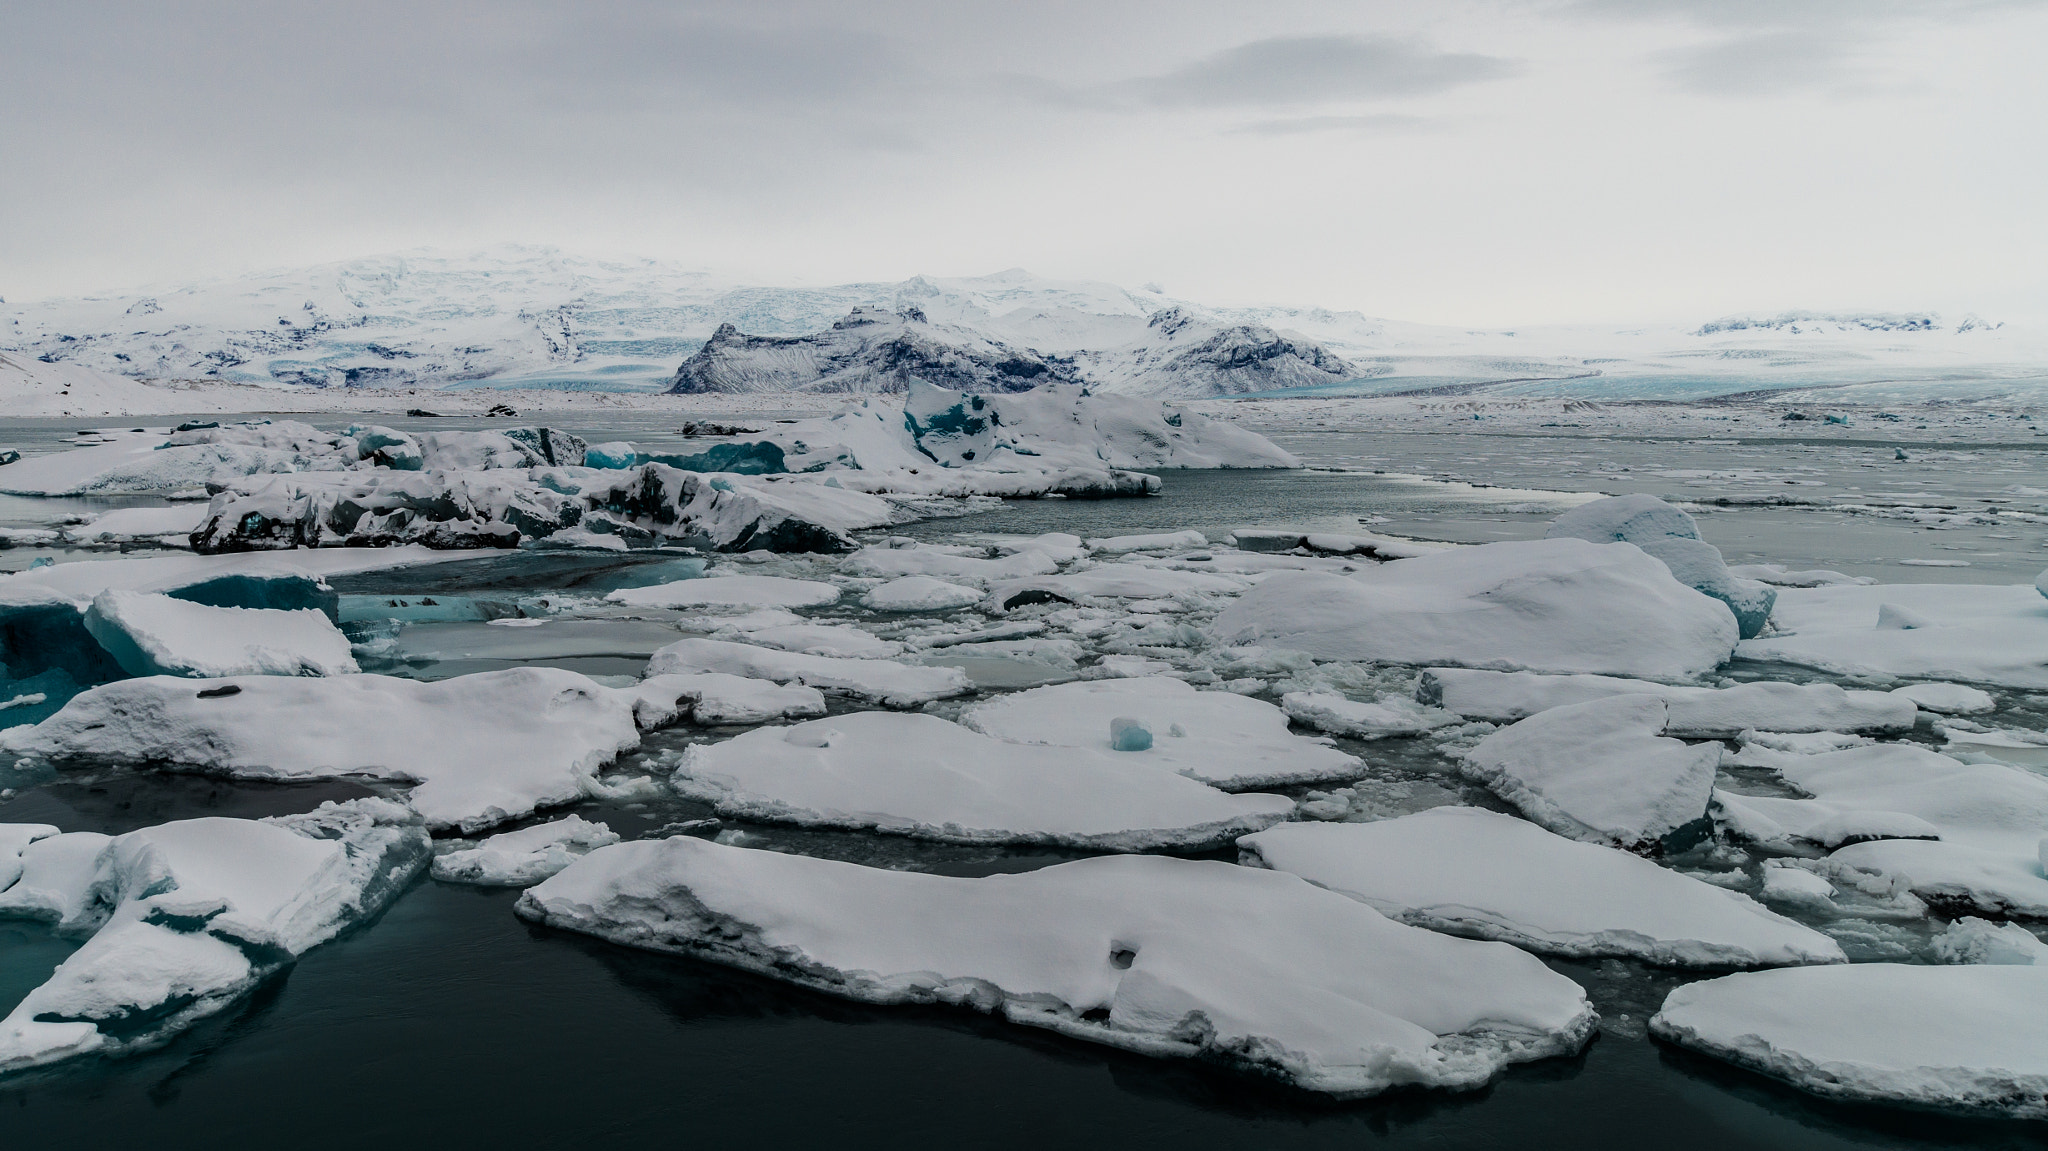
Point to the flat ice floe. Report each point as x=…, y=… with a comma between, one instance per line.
x=1960, y=835
x=730, y=591
x=919, y=593
x=1492, y=876
x=195, y=913
x=1220, y=738
x=482, y=748
x=1251, y=969
x=1973, y=633
x=1600, y=771
x=883, y=681
x=892, y=563
x=1960, y=1038
x=921, y=776
x=523, y=857
x=1112, y=581
x=158, y=635
x=1559, y=605
x=1692, y=712
x=1388, y=715
x=712, y=697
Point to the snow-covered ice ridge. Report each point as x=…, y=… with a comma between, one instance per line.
x=534, y=316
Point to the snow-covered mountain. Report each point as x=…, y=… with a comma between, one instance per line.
x=523, y=316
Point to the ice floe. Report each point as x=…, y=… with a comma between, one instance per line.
x=1973, y=633
x=1492, y=876
x=158, y=635
x=1388, y=715
x=717, y=698
x=1961, y=1038
x=882, y=681
x=1227, y=740
x=1557, y=605
x=921, y=776
x=729, y=591
x=1948, y=698
x=1974, y=940
x=1111, y=581
x=1692, y=712
x=919, y=593
x=526, y=856
x=1247, y=968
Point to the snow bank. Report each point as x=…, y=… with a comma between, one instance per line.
x=729, y=591
x=1490, y=876
x=1960, y=1038
x=921, y=776
x=1968, y=632
x=1599, y=772
x=1693, y=712
x=158, y=635
x=524, y=857
x=1220, y=738
x=481, y=748
x=1670, y=535
x=882, y=681
x=1173, y=958
x=1561, y=605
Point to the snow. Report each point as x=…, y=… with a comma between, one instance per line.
x=1694, y=712
x=199, y=911
x=1975, y=633
x=1974, y=940
x=14, y=839
x=1960, y=1038
x=879, y=680
x=716, y=698
x=56, y=880
x=1947, y=698
x=524, y=857
x=156, y=635
x=1670, y=535
x=1880, y=807
x=729, y=591
x=1599, y=771
x=1166, y=957
x=921, y=776
x=1388, y=715
x=1556, y=605
x=919, y=593
x=1218, y=737
x=483, y=748
x=1491, y=876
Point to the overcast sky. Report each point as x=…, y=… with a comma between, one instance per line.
x=1513, y=161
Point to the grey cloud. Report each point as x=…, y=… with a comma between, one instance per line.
x=1317, y=69
x=1770, y=14
x=1761, y=63
x=1382, y=125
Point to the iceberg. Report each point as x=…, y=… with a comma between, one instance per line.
x=1692, y=712
x=1490, y=876
x=729, y=591
x=160, y=635
x=923, y=777
x=1172, y=958
x=1671, y=535
x=1966, y=1039
x=879, y=680
x=1222, y=739
x=1600, y=772
x=526, y=856
x=1555, y=605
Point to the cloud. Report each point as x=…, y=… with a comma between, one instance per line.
x=1381, y=125
x=1763, y=63
x=1298, y=70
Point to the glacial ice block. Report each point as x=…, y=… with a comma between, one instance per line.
x=1172, y=958
x=1491, y=876
x=158, y=635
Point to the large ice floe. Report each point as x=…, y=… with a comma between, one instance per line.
x=192, y=915
x=878, y=680
x=1601, y=772
x=1958, y=1038
x=923, y=777
x=481, y=749
x=1961, y=836
x=1492, y=876
x=1555, y=605
x=526, y=856
x=1251, y=969
x=1968, y=632
x=1227, y=740
x=1669, y=534
x=1691, y=712
x=160, y=635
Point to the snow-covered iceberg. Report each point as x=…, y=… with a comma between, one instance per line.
x=1958, y=1038
x=1557, y=605
x=1250, y=969
x=1670, y=534
x=920, y=776
x=1492, y=876
x=1692, y=712
x=1600, y=772
x=1226, y=740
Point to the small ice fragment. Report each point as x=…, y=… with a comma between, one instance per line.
x=1892, y=617
x=1127, y=734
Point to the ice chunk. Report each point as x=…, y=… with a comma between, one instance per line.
x=1599, y=772
x=729, y=512
x=1127, y=734
x=716, y=698
x=809, y=638
x=883, y=681
x=123, y=524
x=921, y=776
x=1960, y=1038
x=482, y=748
x=159, y=635
x=919, y=593
x=1560, y=605
x=1796, y=886
x=894, y=562
x=1972, y=633
x=1156, y=541
x=56, y=880
x=1112, y=581
x=730, y=591
x=1947, y=698
x=14, y=839
x=1694, y=712
x=1670, y=535
x=524, y=857
x=1492, y=876
x=1389, y=715
x=1218, y=737
x=613, y=454
x=1974, y=940
x=1166, y=957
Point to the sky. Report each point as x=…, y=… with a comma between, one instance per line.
x=1485, y=162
